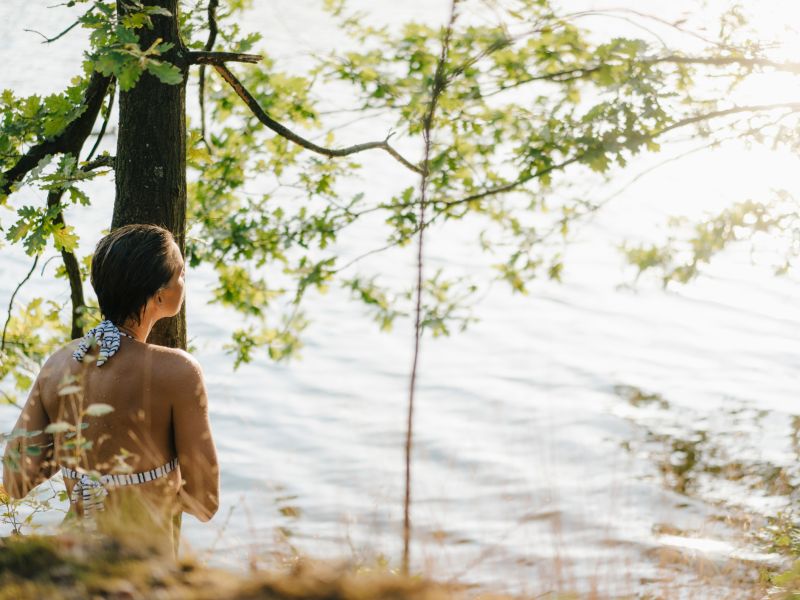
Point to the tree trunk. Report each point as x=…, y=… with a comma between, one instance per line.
x=151, y=154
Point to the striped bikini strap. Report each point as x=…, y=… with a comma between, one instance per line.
x=123, y=478
x=92, y=488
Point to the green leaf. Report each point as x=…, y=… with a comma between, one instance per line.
x=78, y=196
x=98, y=409
x=68, y=390
x=128, y=75
x=58, y=427
x=64, y=238
x=108, y=63
x=166, y=72
x=158, y=10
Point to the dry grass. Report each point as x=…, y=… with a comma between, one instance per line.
x=68, y=566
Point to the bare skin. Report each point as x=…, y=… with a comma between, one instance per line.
x=160, y=412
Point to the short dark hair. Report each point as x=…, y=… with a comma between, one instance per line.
x=129, y=266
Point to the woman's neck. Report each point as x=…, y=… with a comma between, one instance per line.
x=140, y=331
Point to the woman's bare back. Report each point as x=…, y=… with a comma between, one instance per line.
x=160, y=412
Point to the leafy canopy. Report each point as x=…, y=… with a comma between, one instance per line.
x=531, y=101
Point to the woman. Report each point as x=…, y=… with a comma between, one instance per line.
x=147, y=441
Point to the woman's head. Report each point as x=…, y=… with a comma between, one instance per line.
x=137, y=268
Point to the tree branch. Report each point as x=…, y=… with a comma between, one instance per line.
x=70, y=141
x=793, y=106
x=106, y=117
x=77, y=130
x=11, y=301
x=724, y=61
x=718, y=61
x=49, y=40
x=212, y=37
x=558, y=76
x=284, y=132
x=676, y=25
x=10, y=400
x=516, y=183
x=204, y=57
x=72, y=267
x=438, y=87
x=104, y=160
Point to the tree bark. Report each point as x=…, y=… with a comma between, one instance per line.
x=151, y=154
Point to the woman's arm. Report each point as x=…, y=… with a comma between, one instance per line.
x=28, y=458
x=199, y=494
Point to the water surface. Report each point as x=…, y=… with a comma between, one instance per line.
x=588, y=434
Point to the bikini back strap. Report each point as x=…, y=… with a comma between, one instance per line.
x=93, y=488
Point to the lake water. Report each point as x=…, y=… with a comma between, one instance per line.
x=588, y=435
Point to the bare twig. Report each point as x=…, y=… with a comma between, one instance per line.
x=676, y=25
x=439, y=83
x=373, y=251
x=220, y=532
x=610, y=15
x=9, y=399
x=284, y=132
x=558, y=77
x=726, y=61
x=576, y=73
x=11, y=301
x=106, y=117
x=593, y=208
x=337, y=111
x=49, y=40
x=500, y=189
x=756, y=108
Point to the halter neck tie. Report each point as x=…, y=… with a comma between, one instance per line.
x=106, y=336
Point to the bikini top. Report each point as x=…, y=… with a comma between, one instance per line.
x=107, y=336
x=93, y=488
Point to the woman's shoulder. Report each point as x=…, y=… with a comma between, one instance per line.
x=178, y=374
x=61, y=357
x=175, y=362
x=65, y=351
x=58, y=366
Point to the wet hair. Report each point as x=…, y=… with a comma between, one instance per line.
x=129, y=266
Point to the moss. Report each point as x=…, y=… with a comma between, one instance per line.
x=70, y=567
x=29, y=590
x=29, y=557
